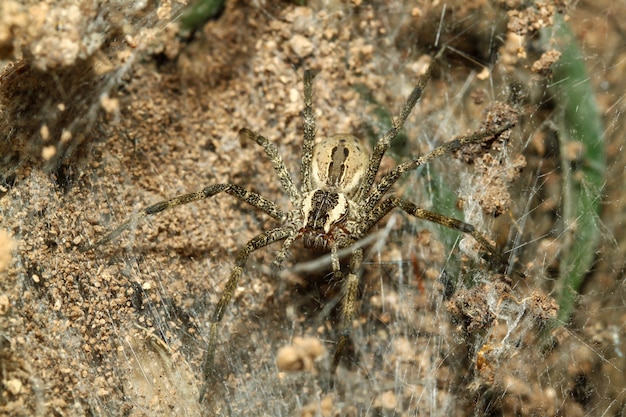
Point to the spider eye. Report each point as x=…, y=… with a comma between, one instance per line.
x=339, y=164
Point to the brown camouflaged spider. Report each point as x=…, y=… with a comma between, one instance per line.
x=335, y=206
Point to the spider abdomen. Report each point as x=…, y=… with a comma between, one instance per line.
x=339, y=163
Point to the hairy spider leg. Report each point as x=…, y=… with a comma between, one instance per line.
x=378, y=211
x=277, y=162
x=255, y=243
x=350, y=294
x=282, y=254
x=385, y=141
x=389, y=179
x=241, y=193
x=309, y=133
x=412, y=209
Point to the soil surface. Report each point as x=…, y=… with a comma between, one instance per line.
x=107, y=111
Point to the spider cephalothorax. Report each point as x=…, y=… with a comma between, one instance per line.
x=336, y=204
x=324, y=213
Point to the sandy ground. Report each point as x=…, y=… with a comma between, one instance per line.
x=106, y=111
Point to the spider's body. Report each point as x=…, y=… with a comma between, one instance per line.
x=336, y=204
x=329, y=214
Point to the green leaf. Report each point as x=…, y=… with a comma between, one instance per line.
x=580, y=126
x=199, y=12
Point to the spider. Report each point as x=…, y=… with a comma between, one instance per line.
x=336, y=205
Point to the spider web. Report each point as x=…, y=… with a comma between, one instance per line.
x=106, y=109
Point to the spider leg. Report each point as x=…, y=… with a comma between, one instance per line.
x=392, y=202
x=385, y=141
x=255, y=243
x=277, y=162
x=389, y=179
x=349, y=301
x=309, y=132
x=280, y=257
x=241, y=193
